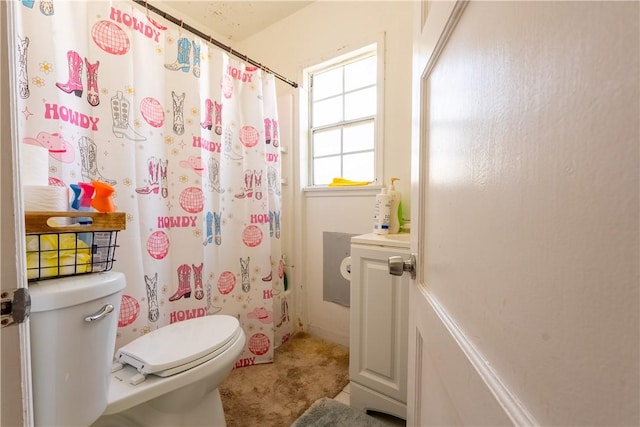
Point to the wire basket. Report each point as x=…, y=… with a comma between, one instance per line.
x=70, y=243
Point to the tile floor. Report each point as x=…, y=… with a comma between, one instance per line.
x=391, y=421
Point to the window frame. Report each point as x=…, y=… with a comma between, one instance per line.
x=372, y=46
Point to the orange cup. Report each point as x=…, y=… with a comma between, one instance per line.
x=102, y=201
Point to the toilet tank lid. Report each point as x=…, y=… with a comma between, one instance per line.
x=179, y=343
x=55, y=294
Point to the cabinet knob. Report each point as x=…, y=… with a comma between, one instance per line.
x=397, y=266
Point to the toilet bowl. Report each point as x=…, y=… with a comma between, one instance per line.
x=168, y=377
x=180, y=367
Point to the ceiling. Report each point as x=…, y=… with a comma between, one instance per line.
x=235, y=20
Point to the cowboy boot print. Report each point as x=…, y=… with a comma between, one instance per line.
x=268, y=277
x=208, y=108
x=196, y=58
x=217, y=219
x=248, y=185
x=152, y=297
x=152, y=182
x=89, y=161
x=178, y=113
x=209, y=227
x=276, y=136
x=46, y=7
x=197, y=280
x=182, y=61
x=184, y=283
x=244, y=270
x=211, y=309
x=218, y=128
x=284, y=308
x=213, y=175
x=272, y=181
x=92, y=83
x=267, y=130
x=228, y=145
x=257, y=183
x=120, y=109
x=207, y=289
x=271, y=223
x=23, y=77
x=74, y=84
x=276, y=215
x=164, y=184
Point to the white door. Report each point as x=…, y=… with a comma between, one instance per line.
x=525, y=200
x=14, y=345
x=445, y=385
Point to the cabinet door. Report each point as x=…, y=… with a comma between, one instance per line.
x=378, y=335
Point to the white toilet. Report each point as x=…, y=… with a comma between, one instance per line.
x=168, y=377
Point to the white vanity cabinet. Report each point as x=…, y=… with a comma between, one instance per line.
x=378, y=325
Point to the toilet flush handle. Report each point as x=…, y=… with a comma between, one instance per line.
x=102, y=313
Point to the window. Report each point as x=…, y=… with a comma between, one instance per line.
x=343, y=124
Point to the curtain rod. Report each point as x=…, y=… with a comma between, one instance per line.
x=213, y=41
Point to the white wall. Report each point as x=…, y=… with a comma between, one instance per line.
x=319, y=32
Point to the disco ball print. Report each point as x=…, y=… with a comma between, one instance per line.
x=110, y=38
x=192, y=200
x=152, y=112
x=249, y=136
x=252, y=236
x=226, y=282
x=158, y=244
x=259, y=344
x=129, y=310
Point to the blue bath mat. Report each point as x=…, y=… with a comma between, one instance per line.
x=328, y=412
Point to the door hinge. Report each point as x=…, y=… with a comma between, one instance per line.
x=16, y=306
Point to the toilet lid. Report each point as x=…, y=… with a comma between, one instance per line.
x=179, y=346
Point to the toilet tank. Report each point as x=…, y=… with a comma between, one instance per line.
x=71, y=355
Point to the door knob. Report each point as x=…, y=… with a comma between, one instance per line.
x=397, y=266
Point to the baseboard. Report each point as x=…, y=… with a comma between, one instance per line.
x=328, y=335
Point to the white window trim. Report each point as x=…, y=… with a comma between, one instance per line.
x=303, y=96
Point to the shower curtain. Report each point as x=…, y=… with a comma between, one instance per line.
x=187, y=136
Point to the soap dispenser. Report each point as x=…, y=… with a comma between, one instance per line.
x=382, y=212
x=394, y=220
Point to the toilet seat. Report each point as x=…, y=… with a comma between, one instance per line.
x=179, y=346
x=123, y=395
